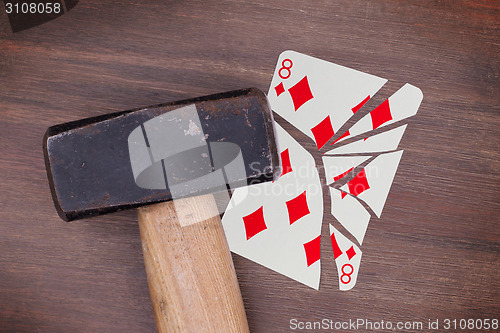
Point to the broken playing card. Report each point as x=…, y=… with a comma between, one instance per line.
x=278, y=224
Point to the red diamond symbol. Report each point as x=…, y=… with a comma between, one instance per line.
x=343, y=194
x=312, y=250
x=279, y=89
x=360, y=105
x=301, y=93
x=381, y=114
x=336, y=249
x=254, y=223
x=358, y=184
x=350, y=253
x=297, y=207
x=285, y=162
x=323, y=132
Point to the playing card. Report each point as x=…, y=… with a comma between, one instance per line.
x=317, y=96
x=278, y=224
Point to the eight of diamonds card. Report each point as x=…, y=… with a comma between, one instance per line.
x=279, y=224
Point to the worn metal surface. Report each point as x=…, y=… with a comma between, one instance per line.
x=88, y=162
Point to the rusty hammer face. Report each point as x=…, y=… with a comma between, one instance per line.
x=159, y=154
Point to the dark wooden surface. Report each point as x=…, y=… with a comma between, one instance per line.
x=433, y=254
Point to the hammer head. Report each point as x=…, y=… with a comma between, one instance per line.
x=159, y=153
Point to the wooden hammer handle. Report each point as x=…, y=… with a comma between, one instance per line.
x=191, y=276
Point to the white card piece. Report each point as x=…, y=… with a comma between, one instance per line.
x=347, y=259
x=278, y=224
x=350, y=213
x=337, y=166
x=311, y=93
x=402, y=104
x=373, y=183
x=382, y=142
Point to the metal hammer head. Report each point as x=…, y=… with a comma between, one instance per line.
x=159, y=153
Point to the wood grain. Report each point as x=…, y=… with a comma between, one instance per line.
x=191, y=276
x=434, y=253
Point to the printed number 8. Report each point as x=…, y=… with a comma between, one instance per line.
x=286, y=68
x=346, y=274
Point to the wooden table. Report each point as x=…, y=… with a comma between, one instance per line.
x=434, y=254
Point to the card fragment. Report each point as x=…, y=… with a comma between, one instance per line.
x=402, y=104
x=378, y=143
x=347, y=259
x=336, y=167
x=317, y=96
x=350, y=213
x=278, y=225
x=372, y=184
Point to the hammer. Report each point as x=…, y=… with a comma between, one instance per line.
x=168, y=160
